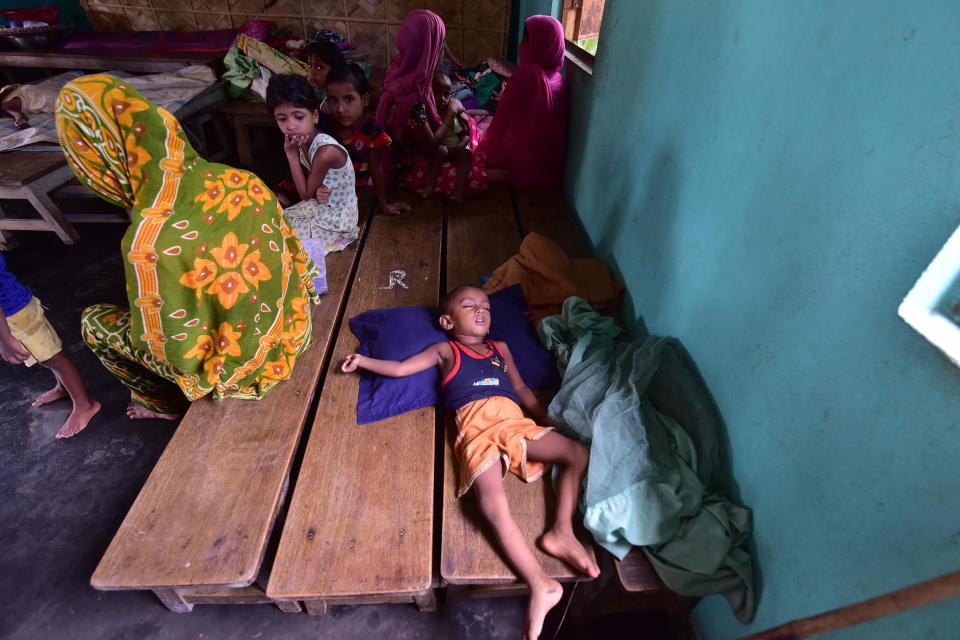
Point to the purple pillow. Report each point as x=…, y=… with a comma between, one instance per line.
x=398, y=333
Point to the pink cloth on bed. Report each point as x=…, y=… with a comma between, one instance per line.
x=528, y=135
x=408, y=80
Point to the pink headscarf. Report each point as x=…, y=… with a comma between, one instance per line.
x=408, y=80
x=528, y=135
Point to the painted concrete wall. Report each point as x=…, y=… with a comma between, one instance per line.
x=523, y=9
x=770, y=178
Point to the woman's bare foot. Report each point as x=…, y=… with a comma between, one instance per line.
x=78, y=420
x=565, y=546
x=49, y=396
x=543, y=597
x=457, y=196
x=136, y=412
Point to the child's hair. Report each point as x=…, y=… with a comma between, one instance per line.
x=291, y=89
x=327, y=51
x=450, y=296
x=442, y=78
x=352, y=74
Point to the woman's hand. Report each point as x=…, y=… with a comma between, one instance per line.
x=351, y=363
x=322, y=195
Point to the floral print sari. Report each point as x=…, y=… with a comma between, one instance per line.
x=218, y=284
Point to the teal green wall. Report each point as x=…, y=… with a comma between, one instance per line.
x=770, y=178
x=523, y=9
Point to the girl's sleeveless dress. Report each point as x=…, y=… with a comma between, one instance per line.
x=333, y=224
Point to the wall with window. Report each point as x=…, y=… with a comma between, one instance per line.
x=769, y=179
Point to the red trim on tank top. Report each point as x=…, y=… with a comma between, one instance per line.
x=473, y=354
x=456, y=364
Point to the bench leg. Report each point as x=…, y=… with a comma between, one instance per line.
x=50, y=212
x=173, y=600
x=242, y=133
x=426, y=601
x=288, y=606
x=316, y=607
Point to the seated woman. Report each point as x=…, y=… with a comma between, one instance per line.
x=219, y=286
x=408, y=110
x=528, y=135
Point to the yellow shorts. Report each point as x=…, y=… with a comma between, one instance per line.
x=31, y=327
x=491, y=430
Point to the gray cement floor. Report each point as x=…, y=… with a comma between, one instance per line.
x=62, y=501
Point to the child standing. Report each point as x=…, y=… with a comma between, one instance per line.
x=455, y=140
x=26, y=336
x=348, y=96
x=316, y=160
x=481, y=383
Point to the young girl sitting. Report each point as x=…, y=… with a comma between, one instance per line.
x=316, y=160
x=481, y=384
x=348, y=96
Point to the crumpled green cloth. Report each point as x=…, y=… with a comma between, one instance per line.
x=658, y=475
x=240, y=72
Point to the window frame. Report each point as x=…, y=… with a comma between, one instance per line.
x=574, y=52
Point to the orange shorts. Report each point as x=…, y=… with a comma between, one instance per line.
x=494, y=429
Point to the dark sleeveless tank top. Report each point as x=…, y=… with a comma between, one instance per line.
x=476, y=376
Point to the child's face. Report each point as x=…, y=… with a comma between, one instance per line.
x=294, y=120
x=468, y=314
x=317, y=71
x=441, y=87
x=345, y=104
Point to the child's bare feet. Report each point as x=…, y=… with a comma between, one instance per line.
x=78, y=419
x=565, y=546
x=543, y=597
x=424, y=192
x=136, y=412
x=49, y=396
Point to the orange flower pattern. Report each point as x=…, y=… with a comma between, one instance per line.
x=213, y=271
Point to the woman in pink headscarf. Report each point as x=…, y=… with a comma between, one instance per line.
x=528, y=135
x=408, y=109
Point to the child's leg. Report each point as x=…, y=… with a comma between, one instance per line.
x=463, y=156
x=68, y=377
x=545, y=592
x=436, y=162
x=13, y=107
x=559, y=540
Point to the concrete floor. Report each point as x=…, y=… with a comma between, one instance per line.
x=62, y=501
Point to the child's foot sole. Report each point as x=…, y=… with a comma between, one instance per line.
x=136, y=412
x=49, y=396
x=542, y=599
x=78, y=421
x=566, y=547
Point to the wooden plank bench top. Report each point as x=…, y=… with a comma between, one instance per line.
x=360, y=524
x=205, y=514
x=546, y=211
x=481, y=235
x=18, y=168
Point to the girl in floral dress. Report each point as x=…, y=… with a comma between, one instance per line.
x=316, y=160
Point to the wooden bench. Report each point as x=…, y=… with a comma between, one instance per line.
x=482, y=234
x=28, y=175
x=360, y=524
x=199, y=530
x=243, y=115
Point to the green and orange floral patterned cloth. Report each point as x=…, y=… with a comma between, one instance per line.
x=218, y=284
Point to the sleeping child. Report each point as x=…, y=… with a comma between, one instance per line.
x=348, y=96
x=481, y=384
x=456, y=141
x=316, y=160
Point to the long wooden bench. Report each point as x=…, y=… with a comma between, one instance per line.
x=360, y=524
x=481, y=235
x=199, y=529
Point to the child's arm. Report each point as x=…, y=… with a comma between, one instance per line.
x=432, y=356
x=327, y=157
x=10, y=348
x=375, y=163
x=528, y=399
